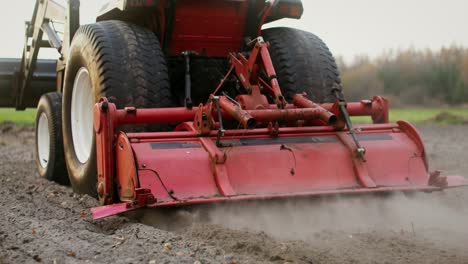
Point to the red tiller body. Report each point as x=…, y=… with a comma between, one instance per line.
x=182, y=167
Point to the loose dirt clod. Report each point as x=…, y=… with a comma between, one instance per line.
x=168, y=246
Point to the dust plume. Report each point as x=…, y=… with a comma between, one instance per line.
x=353, y=214
x=435, y=216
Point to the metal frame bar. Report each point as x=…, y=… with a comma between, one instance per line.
x=44, y=12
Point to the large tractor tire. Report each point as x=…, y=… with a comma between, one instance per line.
x=115, y=59
x=50, y=160
x=303, y=63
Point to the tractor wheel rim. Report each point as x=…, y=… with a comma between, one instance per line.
x=43, y=140
x=82, y=115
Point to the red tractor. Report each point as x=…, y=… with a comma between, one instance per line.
x=163, y=103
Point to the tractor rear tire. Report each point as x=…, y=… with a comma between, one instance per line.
x=303, y=63
x=120, y=61
x=50, y=160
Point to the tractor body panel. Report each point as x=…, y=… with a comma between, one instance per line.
x=212, y=28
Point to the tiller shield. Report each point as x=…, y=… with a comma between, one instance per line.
x=283, y=150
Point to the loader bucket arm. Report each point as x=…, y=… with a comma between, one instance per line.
x=43, y=80
x=24, y=90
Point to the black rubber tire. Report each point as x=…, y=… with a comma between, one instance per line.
x=50, y=104
x=303, y=63
x=125, y=64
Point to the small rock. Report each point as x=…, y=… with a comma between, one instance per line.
x=197, y=262
x=168, y=246
x=120, y=238
x=276, y=258
x=153, y=261
x=284, y=247
x=229, y=258
x=37, y=258
x=212, y=251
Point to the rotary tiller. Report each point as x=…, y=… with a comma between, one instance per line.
x=279, y=150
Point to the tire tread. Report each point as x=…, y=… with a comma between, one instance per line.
x=303, y=63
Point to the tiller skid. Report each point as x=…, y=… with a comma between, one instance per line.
x=282, y=150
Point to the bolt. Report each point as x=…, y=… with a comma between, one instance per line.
x=100, y=189
x=104, y=106
x=150, y=199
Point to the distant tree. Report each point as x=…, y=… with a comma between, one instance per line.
x=410, y=76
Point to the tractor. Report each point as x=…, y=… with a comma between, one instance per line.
x=164, y=103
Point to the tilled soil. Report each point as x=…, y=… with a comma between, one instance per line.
x=41, y=221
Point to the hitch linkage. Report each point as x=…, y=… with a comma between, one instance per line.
x=360, y=151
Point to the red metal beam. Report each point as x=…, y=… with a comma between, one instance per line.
x=372, y=108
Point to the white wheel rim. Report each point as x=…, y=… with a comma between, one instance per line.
x=43, y=140
x=82, y=104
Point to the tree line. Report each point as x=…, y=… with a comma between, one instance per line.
x=409, y=77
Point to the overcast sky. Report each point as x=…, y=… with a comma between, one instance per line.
x=349, y=27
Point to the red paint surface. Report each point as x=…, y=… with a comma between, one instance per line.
x=210, y=27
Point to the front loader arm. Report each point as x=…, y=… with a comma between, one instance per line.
x=45, y=12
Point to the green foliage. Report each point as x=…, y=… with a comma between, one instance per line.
x=422, y=115
x=410, y=77
x=22, y=117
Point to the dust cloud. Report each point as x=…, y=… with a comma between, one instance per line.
x=438, y=216
x=302, y=219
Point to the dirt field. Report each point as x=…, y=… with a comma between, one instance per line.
x=43, y=222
